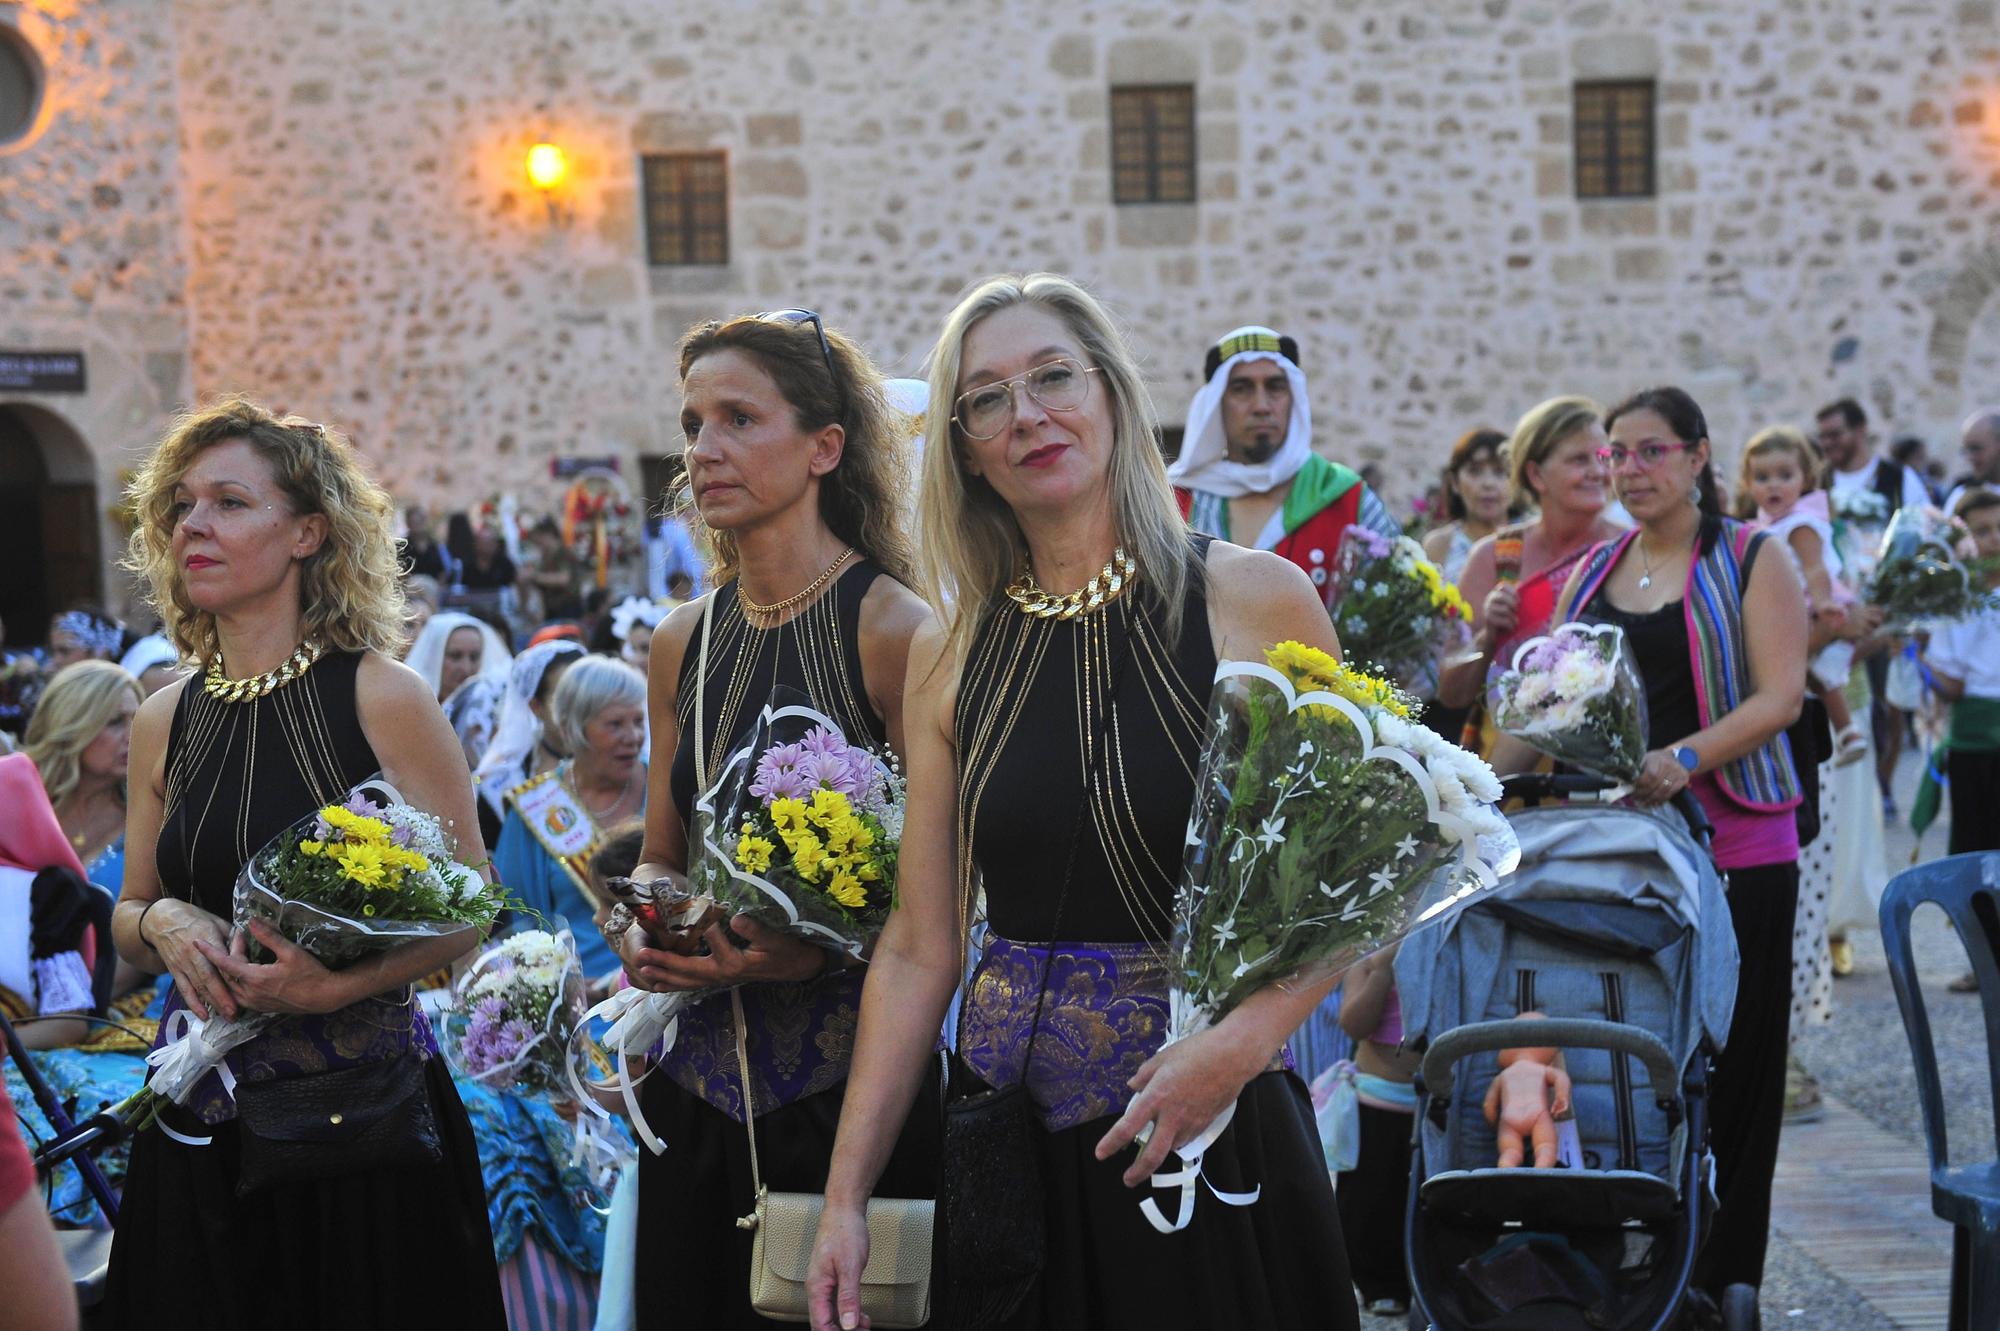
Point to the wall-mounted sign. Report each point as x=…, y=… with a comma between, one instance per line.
x=564, y=468
x=42, y=371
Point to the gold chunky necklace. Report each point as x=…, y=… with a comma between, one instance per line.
x=1100, y=591
x=223, y=689
x=750, y=607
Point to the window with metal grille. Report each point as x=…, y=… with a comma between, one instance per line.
x=1152, y=144
x=1614, y=140
x=687, y=207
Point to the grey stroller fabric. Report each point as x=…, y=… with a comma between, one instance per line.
x=1614, y=914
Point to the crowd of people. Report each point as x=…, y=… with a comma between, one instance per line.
x=1028, y=612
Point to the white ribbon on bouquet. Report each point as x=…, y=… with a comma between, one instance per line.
x=640, y=1019
x=194, y=1047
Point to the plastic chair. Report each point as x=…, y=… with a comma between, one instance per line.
x=1967, y=888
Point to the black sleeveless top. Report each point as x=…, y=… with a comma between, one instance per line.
x=239, y=773
x=1031, y=702
x=817, y=653
x=1659, y=638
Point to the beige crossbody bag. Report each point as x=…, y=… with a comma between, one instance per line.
x=896, y=1283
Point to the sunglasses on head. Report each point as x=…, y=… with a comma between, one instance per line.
x=825, y=349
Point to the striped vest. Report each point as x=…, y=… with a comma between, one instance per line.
x=1763, y=780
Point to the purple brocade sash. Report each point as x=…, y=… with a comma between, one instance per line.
x=372, y=1031
x=800, y=1040
x=1105, y=1015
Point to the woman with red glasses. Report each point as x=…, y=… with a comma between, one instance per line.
x=1718, y=624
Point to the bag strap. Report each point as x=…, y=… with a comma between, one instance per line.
x=701, y=696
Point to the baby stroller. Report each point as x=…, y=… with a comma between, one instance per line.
x=1616, y=930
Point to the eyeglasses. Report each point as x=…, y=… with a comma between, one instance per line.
x=825, y=350
x=1059, y=385
x=1648, y=456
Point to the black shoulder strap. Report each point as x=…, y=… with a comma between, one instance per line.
x=1889, y=481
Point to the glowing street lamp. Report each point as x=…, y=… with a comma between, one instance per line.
x=548, y=167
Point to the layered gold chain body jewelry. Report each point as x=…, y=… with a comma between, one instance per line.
x=224, y=689
x=812, y=640
x=1099, y=591
x=767, y=612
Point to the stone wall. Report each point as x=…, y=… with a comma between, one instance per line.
x=1391, y=184
x=92, y=255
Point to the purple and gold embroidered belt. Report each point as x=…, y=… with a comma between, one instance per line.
x=799, y=1037
x=1105, y=1015
x=373, y=1030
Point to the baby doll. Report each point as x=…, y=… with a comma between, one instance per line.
x=1524, y=1101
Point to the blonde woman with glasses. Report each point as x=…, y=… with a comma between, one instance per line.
x=1055, y=716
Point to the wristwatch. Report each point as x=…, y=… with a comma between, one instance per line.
x=1687, y=757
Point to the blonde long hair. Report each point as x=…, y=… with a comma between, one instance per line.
x=861, y=500
x=350, y=589
x=73, y=710
x=971, y=542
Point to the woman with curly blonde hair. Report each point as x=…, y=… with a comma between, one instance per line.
x=270, y=560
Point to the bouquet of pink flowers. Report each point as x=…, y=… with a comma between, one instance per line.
x=1575, y=694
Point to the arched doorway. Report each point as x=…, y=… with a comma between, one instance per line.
x=49, y=521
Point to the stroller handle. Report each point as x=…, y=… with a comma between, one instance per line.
x=1561, y=1032
x=1534, y=787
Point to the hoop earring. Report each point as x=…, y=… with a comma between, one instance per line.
x=1694, y=495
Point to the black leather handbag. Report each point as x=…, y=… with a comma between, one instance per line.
x=991, y=1195
x=298, y=1129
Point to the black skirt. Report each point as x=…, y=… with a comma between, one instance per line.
x=1278, y=1264
x=388, y=1248
x=693, y=1268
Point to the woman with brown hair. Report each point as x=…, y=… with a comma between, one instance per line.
x=1476, y=499
x=271, y=561
x=796, y=468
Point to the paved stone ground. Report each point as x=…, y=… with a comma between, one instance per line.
x=1862, y=1059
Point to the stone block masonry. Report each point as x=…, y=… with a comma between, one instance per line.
x=325, y=206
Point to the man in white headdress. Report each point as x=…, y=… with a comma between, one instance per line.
x=1247, y=471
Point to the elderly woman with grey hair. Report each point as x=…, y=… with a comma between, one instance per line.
x=598, y=715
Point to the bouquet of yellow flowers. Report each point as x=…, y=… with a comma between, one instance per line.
x=799, y=830
x=1393, y=609
x=1327, y=822
x=345, y=881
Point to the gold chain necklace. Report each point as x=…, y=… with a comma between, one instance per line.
x=750, y=607
x=224, y=689
x=1100, y=591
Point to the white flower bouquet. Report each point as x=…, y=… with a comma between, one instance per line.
x=1575, y=693
x=1393, y=609
x=1327, y=823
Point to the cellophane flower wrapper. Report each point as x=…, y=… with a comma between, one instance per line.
x=343, y=882
x=1394, y=610
x=801, y=829
x=1860, y=517
x=1327, y=823
x=1576, y=694
x=1918, y=578
x=513, y=1014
